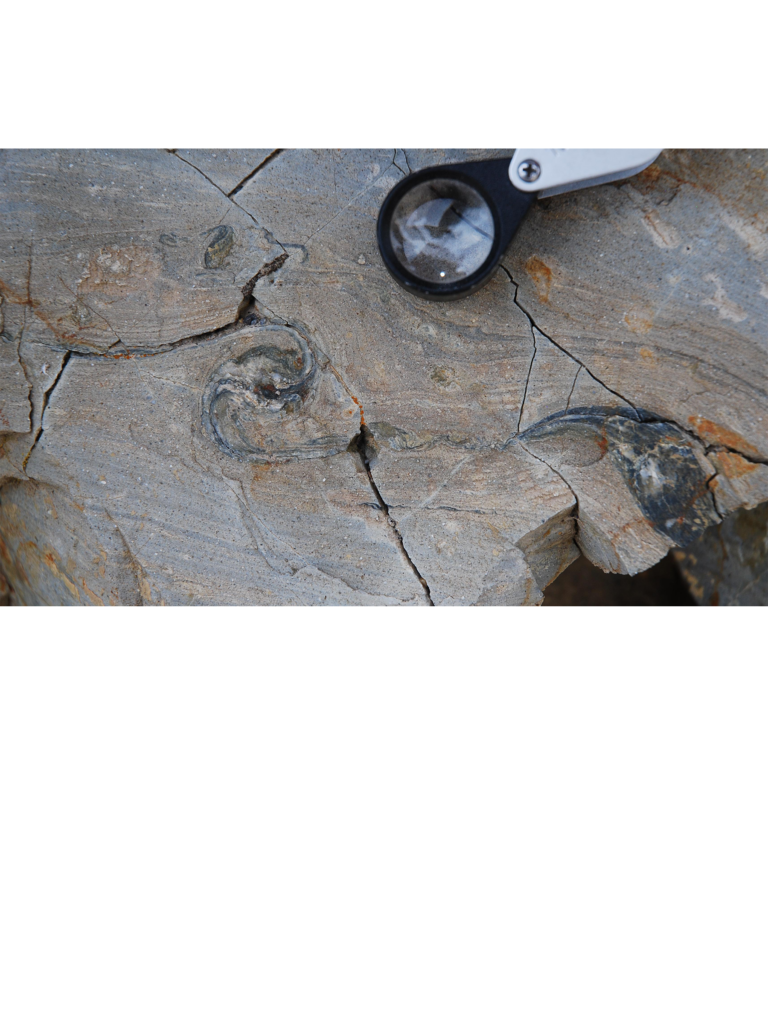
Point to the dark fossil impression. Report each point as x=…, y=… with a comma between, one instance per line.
x=274, y=400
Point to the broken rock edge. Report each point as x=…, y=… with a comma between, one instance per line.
x=246, y=312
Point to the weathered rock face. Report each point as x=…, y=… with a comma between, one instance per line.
x=211, y=391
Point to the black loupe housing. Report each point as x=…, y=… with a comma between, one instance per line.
x=442, y=231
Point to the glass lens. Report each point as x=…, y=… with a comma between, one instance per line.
x=442, y=231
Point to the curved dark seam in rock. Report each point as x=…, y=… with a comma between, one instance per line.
x=670, y=502
x=642, y=414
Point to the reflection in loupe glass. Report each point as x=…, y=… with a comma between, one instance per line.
x=442, y=231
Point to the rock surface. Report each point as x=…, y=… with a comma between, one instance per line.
x=211, y=391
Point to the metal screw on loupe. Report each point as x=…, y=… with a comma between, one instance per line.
x=529, y=170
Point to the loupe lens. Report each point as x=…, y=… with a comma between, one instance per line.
x=441, y=231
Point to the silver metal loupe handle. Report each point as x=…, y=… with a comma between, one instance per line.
x=548, y=172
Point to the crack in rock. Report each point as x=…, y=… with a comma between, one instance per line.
x=245, y=314
x=600, y=454
x=270, y=236
x=267, y=159
x=358, y=446
x=641, y=414
x=528, y=378
x=557, y=344
x=47, y=396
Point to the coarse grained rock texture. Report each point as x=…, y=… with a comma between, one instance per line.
x=212, y=392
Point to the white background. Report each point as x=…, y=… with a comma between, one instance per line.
x=367, y=816
x=382, y=815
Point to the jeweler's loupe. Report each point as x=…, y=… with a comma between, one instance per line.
x=443, y=230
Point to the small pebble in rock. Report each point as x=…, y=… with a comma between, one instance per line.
x=361, y=259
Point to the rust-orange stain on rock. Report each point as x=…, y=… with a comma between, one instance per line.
x=714, y=433
x=94, y=598
x=602, y=440
x=16, y=298
x=733, y=466
x=541, y=275
x=260, y=470
x=5, y=555
x=51, y=561
x=360, y=407
x=639, y=321
x=650, y=175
